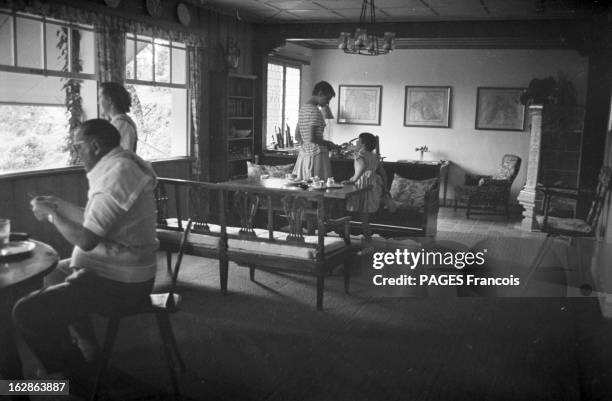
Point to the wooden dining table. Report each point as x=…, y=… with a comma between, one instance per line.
x=336, y=197
x=19, y=275
x=283, y=185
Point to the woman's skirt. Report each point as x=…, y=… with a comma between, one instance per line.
x=310, y=165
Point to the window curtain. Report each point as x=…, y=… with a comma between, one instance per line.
x=195, y=55
x=110, y=53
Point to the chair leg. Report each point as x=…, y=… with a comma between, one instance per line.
x=585, y=288
x=167, y=338
x=252, y=272
x=538, y=260
x=164, y=319
x=169, y=263
x=347, y=276
x=469, y=207
x=223, y=273
x=320, y=287
x=109, y=340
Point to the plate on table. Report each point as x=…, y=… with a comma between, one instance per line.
x=17, y=248
x=334, y=185
x=318, y=188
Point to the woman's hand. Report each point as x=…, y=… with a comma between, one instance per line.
x=331, y=146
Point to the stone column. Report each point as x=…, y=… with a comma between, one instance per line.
x=527, y=196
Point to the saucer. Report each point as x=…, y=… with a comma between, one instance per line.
x=17, y=248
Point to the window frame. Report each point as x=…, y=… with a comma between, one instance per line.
x=44, y=70
x=283, y=62
x=134, y=81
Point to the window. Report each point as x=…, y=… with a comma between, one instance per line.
x=38, y=56
x=283, y=104
x=156, y=77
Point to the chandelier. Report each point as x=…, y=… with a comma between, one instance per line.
x=362, y=43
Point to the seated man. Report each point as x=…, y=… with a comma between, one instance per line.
x=114, y=257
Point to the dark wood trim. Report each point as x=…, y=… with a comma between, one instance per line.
x=527, y=34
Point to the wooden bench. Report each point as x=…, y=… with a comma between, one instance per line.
x=246, y=244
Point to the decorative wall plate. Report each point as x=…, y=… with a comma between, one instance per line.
x=112, y=3
x=154, y=8
x=183, y=14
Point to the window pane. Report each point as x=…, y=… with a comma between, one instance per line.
x=55, y=60
x=179, y=66
x=292, y=97
x=162, y=63
x=33, y=117
x=32, y=137
x=129, y=59
x=161, y=117
x=144, y=61
x=274, y=109
x=87, y=52
x=29, y=43
x=6, y=39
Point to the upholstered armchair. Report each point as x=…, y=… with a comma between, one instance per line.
x=489, y=192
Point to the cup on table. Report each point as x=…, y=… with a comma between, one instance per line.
x=318, y=183
x=5, y=232
x=330, y=181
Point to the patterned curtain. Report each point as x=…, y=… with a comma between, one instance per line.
x=195, y=56
x=110, y=52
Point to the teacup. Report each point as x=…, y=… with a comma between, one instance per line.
x=317, y=184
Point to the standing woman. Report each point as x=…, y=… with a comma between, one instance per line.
x=313, y=159
x=115, y=102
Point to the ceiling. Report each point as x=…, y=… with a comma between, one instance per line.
x=347, y=11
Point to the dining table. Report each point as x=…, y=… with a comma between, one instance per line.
x=340, y=192
x=336, y=195
x=20, y=273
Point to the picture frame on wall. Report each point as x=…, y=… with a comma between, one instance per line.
x=427, y=106
x=359, y=104
x=500, y=109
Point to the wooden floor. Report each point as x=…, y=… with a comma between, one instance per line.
x=266, y=341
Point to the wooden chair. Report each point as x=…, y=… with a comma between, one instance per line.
x=572, y=228
x=161, y=305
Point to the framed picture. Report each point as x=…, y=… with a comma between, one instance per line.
x=427, y=106
x=359, y=104
x=500, y=109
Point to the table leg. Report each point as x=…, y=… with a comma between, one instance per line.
x=10, y=360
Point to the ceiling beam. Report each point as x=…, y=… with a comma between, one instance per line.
x=575, y=34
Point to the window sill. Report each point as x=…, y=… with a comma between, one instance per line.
x=77, y=169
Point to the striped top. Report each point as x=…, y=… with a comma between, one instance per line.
x=311, y=125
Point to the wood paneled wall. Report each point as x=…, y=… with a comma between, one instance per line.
x=69, y=184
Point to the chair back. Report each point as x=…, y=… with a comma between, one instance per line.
x=603, y=186
x=171, y=302
x=509, y=168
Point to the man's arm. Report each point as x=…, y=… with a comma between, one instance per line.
x=68, y=218
x=75, y=233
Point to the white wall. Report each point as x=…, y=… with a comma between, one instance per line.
x=470, y=150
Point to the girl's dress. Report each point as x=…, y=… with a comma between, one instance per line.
x=367, y=201
x=313, y=159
